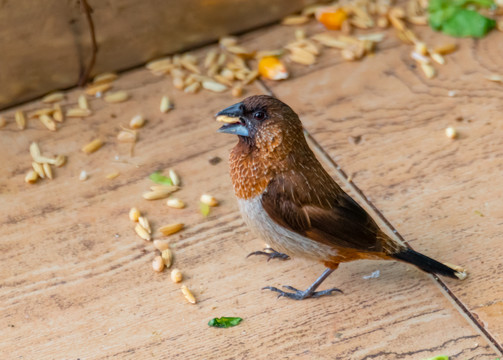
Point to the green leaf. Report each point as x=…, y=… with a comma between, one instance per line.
x=225, y=322
x=454, y=18
x=205, y=209
x=158, y=178
x=439, y=357
x=466, y=23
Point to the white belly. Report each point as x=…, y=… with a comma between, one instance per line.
x=278, y=237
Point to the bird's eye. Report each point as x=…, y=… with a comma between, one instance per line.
x=259, y=115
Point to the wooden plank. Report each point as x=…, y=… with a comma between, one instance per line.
x=441, y=195
x=44, y=45
x=77, y=282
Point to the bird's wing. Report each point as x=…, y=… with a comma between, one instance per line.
x=330, y=217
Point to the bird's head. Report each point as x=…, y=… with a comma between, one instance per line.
x=261, y=121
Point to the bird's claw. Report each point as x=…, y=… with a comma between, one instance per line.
x=300, y=295
x=271, y=254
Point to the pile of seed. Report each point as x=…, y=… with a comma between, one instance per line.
x=41, y=165
x=164, y=257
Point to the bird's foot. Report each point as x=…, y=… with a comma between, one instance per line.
x=271, y=254
x=301, y=295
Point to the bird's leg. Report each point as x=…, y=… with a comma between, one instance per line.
x=271, y=254
x=309, y=292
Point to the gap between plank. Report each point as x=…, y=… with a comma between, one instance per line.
x=457, y=303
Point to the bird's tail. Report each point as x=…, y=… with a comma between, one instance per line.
x=429, y=265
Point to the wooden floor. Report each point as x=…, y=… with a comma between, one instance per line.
x=76, y=281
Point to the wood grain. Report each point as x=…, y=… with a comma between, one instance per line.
x=44, y=45
x=441, y=195
x=77, y=281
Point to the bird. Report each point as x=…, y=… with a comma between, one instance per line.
x=289, y=200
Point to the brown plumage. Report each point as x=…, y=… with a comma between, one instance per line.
x=288, y=198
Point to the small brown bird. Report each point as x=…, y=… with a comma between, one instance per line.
x=286, y=196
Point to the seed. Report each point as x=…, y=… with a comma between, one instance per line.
x=190, y=66
x=272, y=68
x=428, y=70
x=295, y=20
x=421, y=48
x=223, y=80
x=175, y=203
x=238, y=50
x=158, y=264
x=329, y=41
x=142, y=220
x=159, y=64
x=171, y=229
x=176, y=275
x=165, y=104
x=264, y=53
x=112, y=175
x=48, y=122
x=92, y=90
x=188, y=294
x=104, y=78
x=83, y=102
x=141, y=232
x=226, y=119
x=47, y=170
x=46, y=111
x=167, y=256
x=208, y=200
x=137, y=122
x=38, y=169
x=348, y=54
x=419, y=58
x=382, y=22
x=451, y=132
x=375, y=37
x=34, y=151
x=58, y=113
x=228, y=41
x=445, y=49
x=192, y=88
x=54, y=97
x=31, y=177
x=300, y=34
x=439, y=59
x=161, y=245
x=495, y=78
x=77, y=112
x=178, y=82
x=134, y=214
x=83, y=175
x=126, y=136
x=418, y=20
x=176, y=60
x=159, y=192
x=210, y=58
x=175, y=179
x=397, y=23
x=92, y=146
x=237, y=91
x=301, y=56
x=116, y=97
x=331, y=18
x=222, y=58
x=60, y=160
x=214, y=86
x=228, y=74
x=20, y=119
x=2, y=121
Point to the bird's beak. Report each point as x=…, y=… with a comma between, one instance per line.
x=232, y=117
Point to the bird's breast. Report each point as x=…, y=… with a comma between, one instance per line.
x=279, y=237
